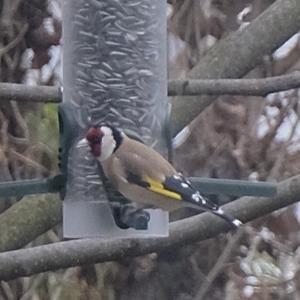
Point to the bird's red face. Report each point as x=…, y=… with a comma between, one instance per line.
x=101, y=141
x=94, y=137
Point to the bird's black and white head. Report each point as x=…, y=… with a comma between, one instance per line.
x=103, y=141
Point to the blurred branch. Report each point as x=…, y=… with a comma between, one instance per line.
x=220, y=264
x=60, y=255
x=251, y=87
x=238, y=53
x=254, y=87
x=25, y=93
x=27, y=219
x=14, y=42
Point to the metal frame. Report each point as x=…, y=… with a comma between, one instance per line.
x=206, y=185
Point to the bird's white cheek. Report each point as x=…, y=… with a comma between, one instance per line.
x=104, y=155
x=107, y=148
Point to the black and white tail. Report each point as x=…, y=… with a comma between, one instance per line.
x=191, y=195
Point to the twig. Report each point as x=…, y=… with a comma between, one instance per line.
x=33, y=287
x=274, y=172
x=267, y=140
x=214, y=272
x=7, y=290
x=14, y=42
x=60, y=255
x=27, y=161
x=20, y=120
x=248, y=87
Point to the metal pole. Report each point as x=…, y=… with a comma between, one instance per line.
x=205, y=185
x=32, y=186
x=238, y=188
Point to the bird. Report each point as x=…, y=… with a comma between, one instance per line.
x=144, y=176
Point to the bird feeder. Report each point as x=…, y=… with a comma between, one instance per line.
x=114, y=72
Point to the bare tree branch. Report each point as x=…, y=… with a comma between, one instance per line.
x=60, y=255
x=25, y=93
x=27, y=219
x=238, y=53
x=248, y=87
x=254, y=87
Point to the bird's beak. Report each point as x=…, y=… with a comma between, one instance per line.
x=82, y=143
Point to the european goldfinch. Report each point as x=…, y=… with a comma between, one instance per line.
x=143, y=176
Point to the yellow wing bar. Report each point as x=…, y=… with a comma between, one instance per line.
x=158, y=188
